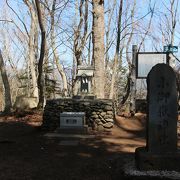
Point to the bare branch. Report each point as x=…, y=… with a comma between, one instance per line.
x=4, y=20
x=18, y=17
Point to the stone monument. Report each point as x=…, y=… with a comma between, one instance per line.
x=72, y=121
x=84, y=80
x=160, y=152
x=68, y=114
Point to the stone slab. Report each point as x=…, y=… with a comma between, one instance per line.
x=74, y=114
x=152, y=161
x=131, y=172
x=72, y=119
x=69, y=143
x=162, y=110
x=89, y=97
x=72, y=130
x=57, y=135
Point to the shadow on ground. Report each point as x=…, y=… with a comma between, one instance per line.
x=25, y=154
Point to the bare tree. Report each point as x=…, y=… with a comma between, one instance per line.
x=32, y=47
x=8, y=104
x=128, y=58
x=147, y=30
x=168, y=21
x=98, y=47
x=109, y=39
x=80, y=39
x=41, y=83
x=56, y=57
x=168, y=25
x=81, y=36
x=116, y=57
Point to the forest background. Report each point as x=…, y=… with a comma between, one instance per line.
x=43, y=41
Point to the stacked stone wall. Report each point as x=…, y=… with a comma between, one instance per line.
x=99, y=113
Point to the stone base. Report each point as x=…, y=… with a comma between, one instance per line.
x=92, y=97
x=73, y=130
x=146, y=161
x=99, y=113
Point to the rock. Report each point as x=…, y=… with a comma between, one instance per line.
x=108, y=117
x=103, y=114
x=23, y=102
x=95, y=116
x=109, y=112
x=100, y=128
x=100, y=123
x=102, y=119
x=86, y=103
x=108, y=108
x=95, y=126
x=94, y=113
x=108, y=125
x=110, y=120
x=97, y=121
x=100, y=110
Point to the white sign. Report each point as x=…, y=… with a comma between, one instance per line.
x=72, y=119
x=145, y=61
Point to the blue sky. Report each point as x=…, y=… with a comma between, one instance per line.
x=64, y=52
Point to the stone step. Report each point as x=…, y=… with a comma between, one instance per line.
x=69, y=143
x=72, y=130
x=79, y=136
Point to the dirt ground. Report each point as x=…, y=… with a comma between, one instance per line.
x=25, y=154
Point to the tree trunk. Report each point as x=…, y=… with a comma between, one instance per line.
x=80, y=39
x=133, y=81
x=98, y=47
x=56, y=58
x=32, y=50
x=116, y=57
x=108, y=43
x=127, y=89
x=41, y=82
x=8, y=104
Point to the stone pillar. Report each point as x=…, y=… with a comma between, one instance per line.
x=160, y=152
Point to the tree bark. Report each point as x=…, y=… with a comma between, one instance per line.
x=127, y=89
x=32, y=49
x=173, y=11
x=8, y=103
x=80, y=39
x=77, y=35
x=98, y=47
x=108, y=42
x=56, y=58
x=41, y=82
x=116, y=57
x=133, y=81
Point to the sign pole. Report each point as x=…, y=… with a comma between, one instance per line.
x=133, y=81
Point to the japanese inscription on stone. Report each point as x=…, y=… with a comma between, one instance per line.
x=162, y=109
x=72, y=119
